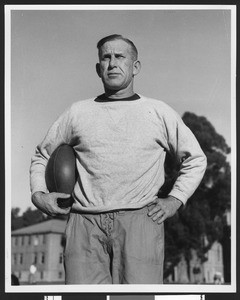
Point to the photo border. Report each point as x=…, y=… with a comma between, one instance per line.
x=110, y=288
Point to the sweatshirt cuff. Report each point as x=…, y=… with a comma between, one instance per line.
x=39, y=189
x=179, y=196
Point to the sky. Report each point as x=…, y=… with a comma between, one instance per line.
x=185, y=57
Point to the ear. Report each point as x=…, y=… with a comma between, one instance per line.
x=98, y=70
x=136, y=67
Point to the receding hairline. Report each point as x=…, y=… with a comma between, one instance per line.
x=115, y=37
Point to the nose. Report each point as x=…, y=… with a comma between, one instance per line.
x=112, y=62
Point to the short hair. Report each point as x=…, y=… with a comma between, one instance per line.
x=114, y=37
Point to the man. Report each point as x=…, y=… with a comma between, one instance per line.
x=115, y=228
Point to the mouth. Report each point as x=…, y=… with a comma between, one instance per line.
x=113, y=74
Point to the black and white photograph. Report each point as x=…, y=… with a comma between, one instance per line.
x=120, y=149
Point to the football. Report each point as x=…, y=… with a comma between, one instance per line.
x=61, y=173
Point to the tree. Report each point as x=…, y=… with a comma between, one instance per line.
x=204, y=215
x=16, y=221
x=29, y=217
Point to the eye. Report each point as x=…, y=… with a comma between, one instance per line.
x=119, y=56
x=106, y=57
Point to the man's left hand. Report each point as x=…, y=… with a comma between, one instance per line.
x=164, y=208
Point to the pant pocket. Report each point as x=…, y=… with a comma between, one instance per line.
x=143, y=240
x=159, y=228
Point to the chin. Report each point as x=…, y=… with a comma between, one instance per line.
x=113, y=87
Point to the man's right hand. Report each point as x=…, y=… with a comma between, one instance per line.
x=47, y=203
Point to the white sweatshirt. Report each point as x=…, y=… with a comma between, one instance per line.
x=120, y=151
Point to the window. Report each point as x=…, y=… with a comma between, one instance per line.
x=22, y=240
x=29, y=240
x=21, y=258
x=63, y=240
x=42, y=275
x=42, y=258
x=15, y=259
x=34, y=258
x=60, y=258
x=44, y=239
x=16, y=241
x=36, y=240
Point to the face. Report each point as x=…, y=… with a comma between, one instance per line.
x=117, y=66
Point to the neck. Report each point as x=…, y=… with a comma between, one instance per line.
x=118, y=94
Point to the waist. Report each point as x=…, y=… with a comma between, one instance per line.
x=121, y=208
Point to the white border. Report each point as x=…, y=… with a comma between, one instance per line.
x=8, y=148
x=233, y=148
x=180, y=297
x=169, y=297
x=114, y=288
x=120, y=7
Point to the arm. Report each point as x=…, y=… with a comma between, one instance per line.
x=184, y=147
x=58, y=134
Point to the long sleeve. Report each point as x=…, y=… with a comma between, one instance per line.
x=186, y=149
x=58, y=134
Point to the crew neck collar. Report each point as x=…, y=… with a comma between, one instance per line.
x=104, y=98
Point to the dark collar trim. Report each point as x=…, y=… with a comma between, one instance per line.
x=103, y=98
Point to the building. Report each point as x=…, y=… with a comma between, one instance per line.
x=37, y=253
x=37, y=257
x=213, y=269
x=197, y=272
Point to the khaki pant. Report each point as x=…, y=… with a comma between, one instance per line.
x=122, y=247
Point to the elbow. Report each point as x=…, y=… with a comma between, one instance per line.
x=205, y=162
